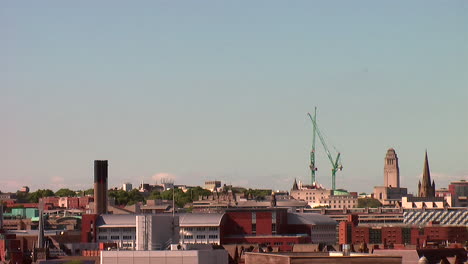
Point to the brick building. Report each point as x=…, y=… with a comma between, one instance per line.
x=276, y=227
x=350, y=233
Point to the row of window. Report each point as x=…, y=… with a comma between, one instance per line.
x=273, y=228
x=211, y=228
x=279, y=243
x=201, y=236
x=115, y=237
x=117, y=230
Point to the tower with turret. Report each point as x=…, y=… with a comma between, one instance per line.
x=391, y=170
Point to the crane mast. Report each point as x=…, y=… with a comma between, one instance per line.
x=336, y=165
x=313, y=169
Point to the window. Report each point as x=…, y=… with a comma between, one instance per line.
x=213, y=228
x=254, y=228
x=254, y=218
x=127, y=237
x=278, y=243
x=188, y=237
x=200, y=229
x=102, y=237
x=115, y=237
x=188, y=229
x=102, y=230
x=213, y=236
x=200, y=236
x=273, y=228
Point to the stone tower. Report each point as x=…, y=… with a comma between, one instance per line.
x=391, y=170
x=426, y=188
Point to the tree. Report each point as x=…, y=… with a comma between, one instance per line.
x=35, y=196
x=89, y=192
x=155, y=195
x=126, y=198
x=257, y=194
x=368, y=202
x=64, y=192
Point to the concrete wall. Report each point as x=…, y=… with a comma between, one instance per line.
x=165, y=257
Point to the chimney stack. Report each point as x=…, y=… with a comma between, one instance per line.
x=100, y=187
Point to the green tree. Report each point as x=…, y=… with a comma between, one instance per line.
x=368, y=202
x=89, y=191
x=126, y=198
x=155, y=195
x=257, y=194
x=35, y=196
x=64, y=192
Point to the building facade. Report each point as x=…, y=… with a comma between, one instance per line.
x=201, y=228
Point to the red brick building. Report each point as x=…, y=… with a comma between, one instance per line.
x=10, y=249
x=276, y=227
x=88, y=228
x=350, y=233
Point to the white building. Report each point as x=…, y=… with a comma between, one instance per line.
x=200, y=228
x=127, y=187
x=138, y=232
x=426, y=202
x=313, y=197
x=212, y=185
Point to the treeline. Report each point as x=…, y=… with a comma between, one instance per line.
x=33, y=197
x=134, y=196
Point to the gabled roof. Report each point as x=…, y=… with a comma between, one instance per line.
x=309, y=219
x=186, y=220
x=116, y=220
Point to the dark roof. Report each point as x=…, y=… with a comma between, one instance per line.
x=309, y=219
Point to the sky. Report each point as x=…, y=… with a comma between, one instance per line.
x=220, y=90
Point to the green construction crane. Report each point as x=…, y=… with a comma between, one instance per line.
x=313, y=169
x=336, y=164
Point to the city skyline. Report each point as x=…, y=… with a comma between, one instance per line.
x=196, y=93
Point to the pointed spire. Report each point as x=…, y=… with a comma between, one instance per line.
x=427, y=189
x=295, y=188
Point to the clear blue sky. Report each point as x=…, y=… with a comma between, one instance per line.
x=204, y=90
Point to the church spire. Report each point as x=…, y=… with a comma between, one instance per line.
x=295, y=188
x=427, y=188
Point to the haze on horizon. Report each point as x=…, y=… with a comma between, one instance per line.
x=208, y=90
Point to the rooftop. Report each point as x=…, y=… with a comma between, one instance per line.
x=309, y=219
x=200, y=219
